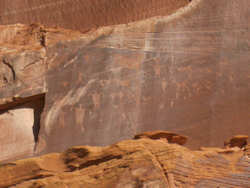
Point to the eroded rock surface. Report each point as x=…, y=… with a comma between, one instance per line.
x=130, y=164
x=187, y=73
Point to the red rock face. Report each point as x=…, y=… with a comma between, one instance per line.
x=187, y=73
x=84, y=14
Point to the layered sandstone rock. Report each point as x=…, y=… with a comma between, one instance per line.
x=84, y=14
x=142, y=163
x=187, y=73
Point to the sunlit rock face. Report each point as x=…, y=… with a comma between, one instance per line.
x=187, y=73
x=19, y=127
x=16, y=133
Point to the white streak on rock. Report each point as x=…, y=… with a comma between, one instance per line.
x=72, y=98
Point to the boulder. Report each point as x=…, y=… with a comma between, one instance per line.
x=237, y=141
x=168, y=136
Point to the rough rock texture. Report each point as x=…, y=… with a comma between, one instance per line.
x=84, y=14
x=142, y=163
x=187, y=73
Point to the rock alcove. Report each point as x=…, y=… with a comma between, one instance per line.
x=19, y=126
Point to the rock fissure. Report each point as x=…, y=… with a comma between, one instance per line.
x=8, y=64
x=169, y=177
x=99, y=161
x=38, y=177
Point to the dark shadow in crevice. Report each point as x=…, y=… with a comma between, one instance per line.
x=37, y=117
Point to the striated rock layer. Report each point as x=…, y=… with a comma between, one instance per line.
x=187, y=73
x=84, y=14
x=141, y=163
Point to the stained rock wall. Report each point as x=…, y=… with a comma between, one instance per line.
x=188, y=73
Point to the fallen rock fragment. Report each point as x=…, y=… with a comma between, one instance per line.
x=168, y=136
x=237, y=141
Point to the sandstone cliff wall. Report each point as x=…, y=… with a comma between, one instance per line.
x=188, y=73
